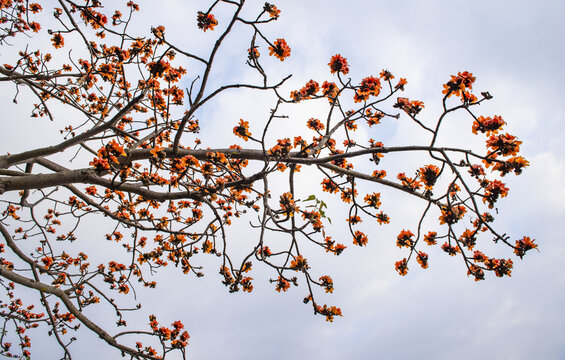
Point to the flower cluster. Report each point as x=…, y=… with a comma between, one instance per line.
x=272, y=10
x=409, y=183
x=206, y=21
x=299, y=263
x=307, y=92
x=178, y=340
x=524, y=245
x=338, y=64
x=369, y=86
x=429, y=175
x=459, y=85
x=401, y=266
x=493, y=191
x=329, y=90
x=327, y=283
x=315, y=124
x=359, y=238
x=328, y=312
x=412, y=108
x=280, y=49
x=404, y=239
x=288, y=206
x=488, y=125
x=504, y=144
x=452, y=214
x=242, y=130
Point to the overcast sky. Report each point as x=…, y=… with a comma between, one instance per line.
x=515, y=49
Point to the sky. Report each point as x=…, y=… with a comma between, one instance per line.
x=514, y=48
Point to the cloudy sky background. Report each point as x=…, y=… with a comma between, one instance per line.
x=515, y=50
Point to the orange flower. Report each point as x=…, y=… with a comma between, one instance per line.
x=409, y=183
x=264, y=251
x=402, y=267
x=504, y=144
x=422, y=260
x=524, y=245
x=488, y=125
x=299, y=263
x=282, y=148
x=253, y=53
x=35, y=27
x=328, y=312
x=100, y=164
x=281, y=50
x=225, y=272
x=339, y=249
x=35, y=8
x=287, y=204
x=479, y=257
x=347, y=195
x=401, y=84
x=132, y=6
x=310, y=89
x=157, y=69
x=476, y=171
x=379, y=174
x=206, y=21
x=282, y=284
x=327, y=283
x=123, y=288
x=383, y=218
x=493, y=191
x=156, y=152
x=315, y=124
x=338, y=64
x=58, y=41
x=386, y=75
x=430, y=238
x=359, y=238
x=374, y=119
x=452, y=215
x=207, y=246
x=429, y=175
x=451, y=250
x=329, y=186
x=329, y=89
x=246, y=267
x=246, y=284
x=272, y=10
x=373, y=200
x=336, y=249
x=515, y=163
x=355, y=219
x=458, y=84
x=477, y=272
x=468, y=239
x=242, y=130
x=412, y=108
x=404, y=239
x=159, y=31
x=369, y=86
x=500, y=267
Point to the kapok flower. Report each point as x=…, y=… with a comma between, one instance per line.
x=206, y=21
x=281, y=50
x=338, y=64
